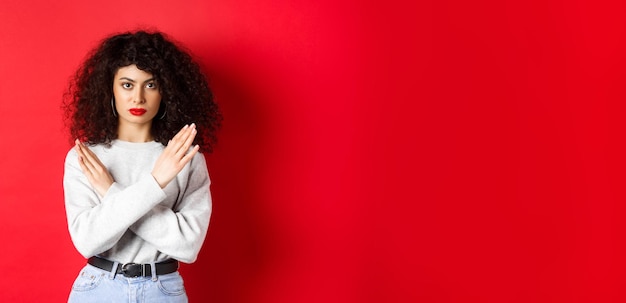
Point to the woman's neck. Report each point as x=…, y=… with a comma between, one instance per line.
x=137, y=133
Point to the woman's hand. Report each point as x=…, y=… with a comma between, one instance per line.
x=94, y=170
x=175, y=156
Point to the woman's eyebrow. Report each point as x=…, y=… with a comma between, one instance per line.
x=128, y=79
x=131, y=80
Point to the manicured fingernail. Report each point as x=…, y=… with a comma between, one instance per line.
x=185, y=126
x=193, y=125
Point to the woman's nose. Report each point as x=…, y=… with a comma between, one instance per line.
x=138, y=98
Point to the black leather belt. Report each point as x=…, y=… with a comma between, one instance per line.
x=133, y=270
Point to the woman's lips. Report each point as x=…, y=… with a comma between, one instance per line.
x=137, y=111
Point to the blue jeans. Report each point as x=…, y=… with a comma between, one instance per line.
x=96, y=285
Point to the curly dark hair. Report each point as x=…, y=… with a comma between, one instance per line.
x=186, y=96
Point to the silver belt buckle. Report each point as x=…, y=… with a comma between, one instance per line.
x=133, y=270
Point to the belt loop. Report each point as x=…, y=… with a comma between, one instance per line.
x=153, y=271
x=113, y=270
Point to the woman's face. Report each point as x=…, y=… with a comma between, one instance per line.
x=137, y=96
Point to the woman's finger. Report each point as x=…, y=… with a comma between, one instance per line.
x=82, y=165
x=190, y=155
x=82, y=160
x=181, y=133
x=179, y=144
x=97, y=174
x=176, y=155
x=172, y=145
x=89, y=159
x=184, y=148
x=89, y=155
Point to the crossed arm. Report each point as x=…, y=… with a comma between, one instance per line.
x=96, y=227
x=168, y=165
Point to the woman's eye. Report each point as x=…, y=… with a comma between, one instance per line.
x=127, y=85
x=151, y=85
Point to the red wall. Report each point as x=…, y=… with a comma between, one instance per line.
x=440, y=151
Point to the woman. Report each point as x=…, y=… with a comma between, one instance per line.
x=136, y=188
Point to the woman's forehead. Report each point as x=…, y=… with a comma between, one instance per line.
x=132, y=72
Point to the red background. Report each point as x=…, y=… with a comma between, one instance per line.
x=439, y=151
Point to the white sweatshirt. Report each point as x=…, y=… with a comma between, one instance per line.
x=137, y=221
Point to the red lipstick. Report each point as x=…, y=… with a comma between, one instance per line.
x=137, y=111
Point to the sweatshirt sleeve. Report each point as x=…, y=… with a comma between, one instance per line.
x=96, y=224
x=180, y=231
